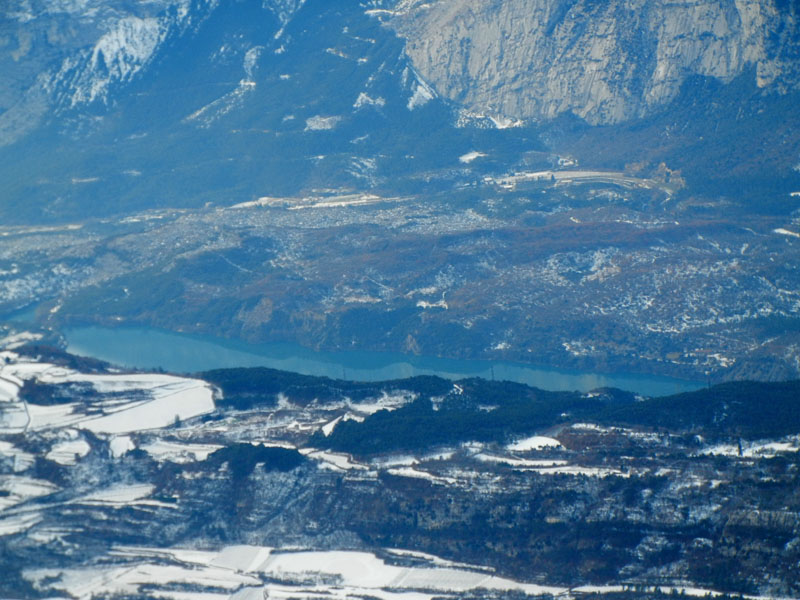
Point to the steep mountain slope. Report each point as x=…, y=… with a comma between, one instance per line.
x=235, y=101
x=111, y=105
x=606, y=62
x=63, y=55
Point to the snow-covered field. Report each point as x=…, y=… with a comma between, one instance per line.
x=18, y=489
x=68, y=452
x=119, y=495
x=419, y=474
x=135, y=402
x=129, y=579
x=383, y=402
x=521, y=463
x=757, y=449
x=536, y=442
x=113, y=414
x=18, y=523
x=470, y=156
x=259, y=572
x=255, y=572
x=334, y=461
x=178, y=452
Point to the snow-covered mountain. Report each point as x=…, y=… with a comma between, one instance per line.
x=604, y=62
x=69, y=54
x=188, y=101
x=185, y=102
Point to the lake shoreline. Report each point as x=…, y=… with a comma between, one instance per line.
x=151, y=348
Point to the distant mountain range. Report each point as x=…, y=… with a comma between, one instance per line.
x=108, y=105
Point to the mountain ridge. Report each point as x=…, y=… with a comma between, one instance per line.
x=605, y=63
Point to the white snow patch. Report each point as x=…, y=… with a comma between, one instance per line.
x=383, y=402
x=756, y=449
x=600, y=472
x=333, y=460
x=467, y=118
x=154, y=401
x=19, y=523
x=14, y=417
x=120, y=445
x=662, y=589
x=298, y=574
x=523, y=463
x=506, y=122
x=422, y=94
x=395, y=461
x=365, y=100
x=15, y=340
x=119, y=495
x=19, y=489
x=9, y=390
x=536, y=442
x=186, y=399
x=245, y=559
x=55, y=416
x=69, y=452
x=599, y=589
x=179, y=452
x=418, y=474
x=425, y=291
x=176, y=595
x=470, y=156
x=361, y=299
x=367, y=572
x=431, y=558
x=117, y=56
x=439, y=304
x=590, y=427
x=127, y=579
x=320, y=123
x=225, y=104
x=327, y=429
x=103, y=384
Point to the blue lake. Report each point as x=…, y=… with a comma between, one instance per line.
x=148, y=348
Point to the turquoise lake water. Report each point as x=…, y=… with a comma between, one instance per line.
x=148, y=348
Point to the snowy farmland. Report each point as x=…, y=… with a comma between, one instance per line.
x=258, y=572
x=127, y=402
x=248, y=572
x=110, y=486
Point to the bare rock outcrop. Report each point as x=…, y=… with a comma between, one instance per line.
x=605, y=62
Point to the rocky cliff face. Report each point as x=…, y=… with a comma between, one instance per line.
x=606, y=62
